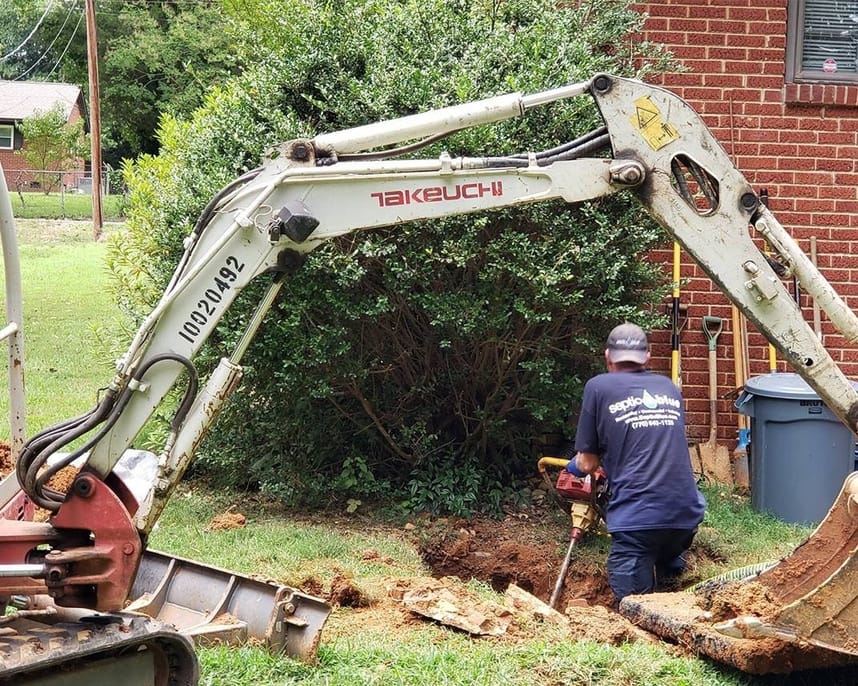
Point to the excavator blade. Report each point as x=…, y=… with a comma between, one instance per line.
x=212, y=605
x=801, y=613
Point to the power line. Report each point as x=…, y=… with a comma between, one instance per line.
x=66, y=49
x=35, y=28
x=72, y=7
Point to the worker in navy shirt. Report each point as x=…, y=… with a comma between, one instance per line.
x=632, y=424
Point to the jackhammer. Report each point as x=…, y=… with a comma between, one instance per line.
x=584, y=496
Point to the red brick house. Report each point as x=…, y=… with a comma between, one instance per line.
x=22, y=99
x=777, y=82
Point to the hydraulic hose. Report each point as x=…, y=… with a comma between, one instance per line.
x=34, y=478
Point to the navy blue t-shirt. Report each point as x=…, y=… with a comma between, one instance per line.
x=635, y=421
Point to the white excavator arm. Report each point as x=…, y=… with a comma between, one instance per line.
x=310, y=191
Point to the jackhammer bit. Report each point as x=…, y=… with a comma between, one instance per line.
x=584, y=517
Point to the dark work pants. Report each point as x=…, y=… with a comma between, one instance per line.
x=640, y=559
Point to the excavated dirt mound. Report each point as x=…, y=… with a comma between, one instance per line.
x=227, y=520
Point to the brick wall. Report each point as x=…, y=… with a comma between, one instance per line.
x=800, y=142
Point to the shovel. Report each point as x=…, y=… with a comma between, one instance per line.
x=714, y=458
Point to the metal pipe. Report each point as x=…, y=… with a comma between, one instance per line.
x=441, y=121
x=558, y=586
x=15, y=317
x=22, y=570
x=256, y=320
x=432, y=123
x=563, y=92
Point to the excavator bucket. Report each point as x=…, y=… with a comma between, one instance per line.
x=801, y=613
x=211, y=605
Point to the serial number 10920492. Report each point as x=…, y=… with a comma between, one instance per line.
x=205, y=308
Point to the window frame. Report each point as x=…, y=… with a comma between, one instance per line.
x=794, y=50
x=11, y=128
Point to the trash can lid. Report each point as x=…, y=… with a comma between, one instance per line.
x=780, y=385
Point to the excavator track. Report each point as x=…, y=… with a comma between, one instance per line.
x=95, y=650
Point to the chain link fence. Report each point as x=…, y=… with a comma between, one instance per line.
x=60, y=181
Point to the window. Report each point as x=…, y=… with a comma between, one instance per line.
x=7, y=136
x=822, y=41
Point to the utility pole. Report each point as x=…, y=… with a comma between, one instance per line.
x=94, y=118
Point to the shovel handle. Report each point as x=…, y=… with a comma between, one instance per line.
x=712, y=328
x=713, y=394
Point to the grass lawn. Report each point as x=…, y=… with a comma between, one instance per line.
x=64, y=206
x=383, y=645
x=67, y=303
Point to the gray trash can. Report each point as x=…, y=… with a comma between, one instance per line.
x=800, y=452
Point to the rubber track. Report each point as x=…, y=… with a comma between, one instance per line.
x=29, y=648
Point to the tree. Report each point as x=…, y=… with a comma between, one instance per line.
x=17, y=20
x=51, y=143
x=154, y=58
x=422, y=361
x=157, y=58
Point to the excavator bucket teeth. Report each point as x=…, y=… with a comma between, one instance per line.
x=801, y=613
x=212, y=605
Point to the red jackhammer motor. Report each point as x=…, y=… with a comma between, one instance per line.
x=584, y=497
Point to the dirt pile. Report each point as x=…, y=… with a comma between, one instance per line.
x=227, y=520
x=735, y=600
x=514, y=556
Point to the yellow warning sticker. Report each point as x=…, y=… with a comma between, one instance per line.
x=648, y=120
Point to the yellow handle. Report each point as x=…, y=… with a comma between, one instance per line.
x=544, y=462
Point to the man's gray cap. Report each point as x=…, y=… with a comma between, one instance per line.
x=628, y=343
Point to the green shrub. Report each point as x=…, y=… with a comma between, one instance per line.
x=418, y=361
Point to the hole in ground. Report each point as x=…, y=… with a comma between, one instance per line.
x=501, y=553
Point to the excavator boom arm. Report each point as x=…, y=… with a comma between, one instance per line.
x=309, y=191
x=661, y=151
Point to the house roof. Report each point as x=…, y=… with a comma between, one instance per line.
x=21, y=99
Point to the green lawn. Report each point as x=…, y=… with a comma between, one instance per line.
x=65, y=206
x=68, y=311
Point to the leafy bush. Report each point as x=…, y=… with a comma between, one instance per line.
x=417, y=362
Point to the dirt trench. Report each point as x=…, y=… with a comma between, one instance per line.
x=507, y=552
x=503, y=553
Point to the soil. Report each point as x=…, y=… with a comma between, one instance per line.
x=818, y=557
x=514, y=551
x=734, y=600
x=346, y=593
x=227, y=520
